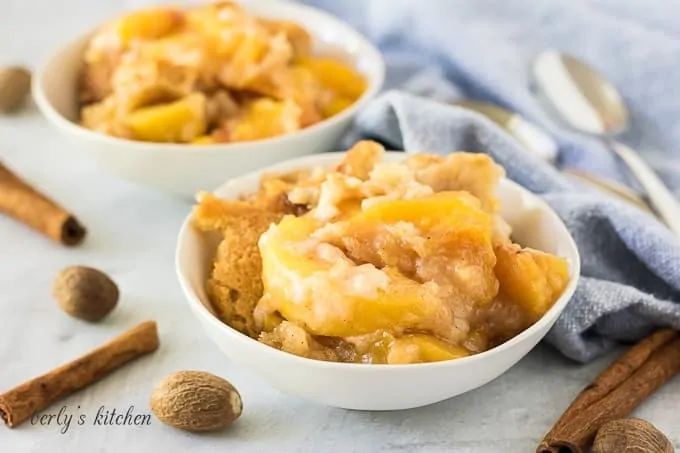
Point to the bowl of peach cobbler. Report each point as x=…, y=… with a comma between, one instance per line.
x=373, y=279
x=182, y=98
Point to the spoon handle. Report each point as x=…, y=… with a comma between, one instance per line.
x=660, y=197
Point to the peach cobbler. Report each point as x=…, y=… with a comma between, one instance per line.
x=209, y=74
x=377, y=262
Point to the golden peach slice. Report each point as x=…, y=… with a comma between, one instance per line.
x=444, y=238
x=422, y=348
x=319, y=288
x=337, y=104
x=179, y=121
x=148, y=24
x=448, y=209
x=264, y=118
x=530, y=278
x=337, y=76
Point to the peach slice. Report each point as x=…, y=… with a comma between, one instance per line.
x=448, y=209
x=179, y=121
x=445, y=238
x=336, y=76
x=422, y=348
x=264, y=118
x=319, y=288
x=530, y=278
x=337, y=104
x=147, y=24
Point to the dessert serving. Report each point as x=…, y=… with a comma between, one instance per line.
x=377, y=262
x=209, y=74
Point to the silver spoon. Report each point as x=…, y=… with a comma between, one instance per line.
x=539, y=143
x=592, y=105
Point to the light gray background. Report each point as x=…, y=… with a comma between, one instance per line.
x=132, y=237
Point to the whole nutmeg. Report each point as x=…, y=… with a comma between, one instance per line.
x=196, y=401
x=15, y=84
x=631, y=435
x=85, y=293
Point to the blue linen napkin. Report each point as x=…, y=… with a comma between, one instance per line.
x=439, y=50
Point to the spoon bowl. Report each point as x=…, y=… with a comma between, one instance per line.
x=586, y=100
x=589, y=103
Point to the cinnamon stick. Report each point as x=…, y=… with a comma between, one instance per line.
x=609, y=379
x=21, y=201
x=616, y=392
x=22, y=402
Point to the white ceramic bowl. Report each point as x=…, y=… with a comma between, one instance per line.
x=376, y=387
x=183, y=169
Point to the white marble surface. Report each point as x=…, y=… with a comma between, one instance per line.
x=132, y=234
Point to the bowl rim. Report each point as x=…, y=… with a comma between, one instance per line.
x=321, y=159
x=367, y=49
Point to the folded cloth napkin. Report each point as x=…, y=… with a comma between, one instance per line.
x=630, y=280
